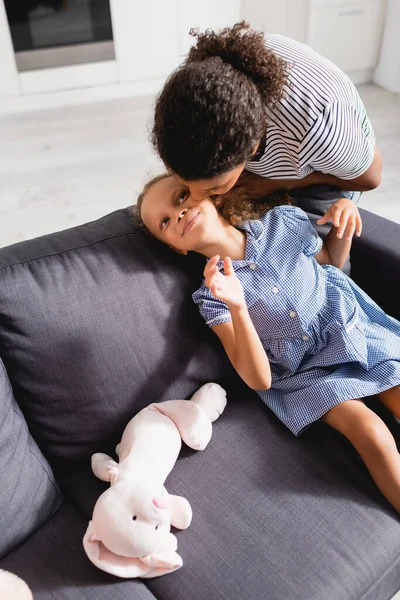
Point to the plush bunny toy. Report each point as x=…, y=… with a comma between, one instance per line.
x=129, y=534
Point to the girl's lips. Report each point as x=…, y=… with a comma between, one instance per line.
x=189, y=223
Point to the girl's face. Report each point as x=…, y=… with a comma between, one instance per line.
x=171, y=215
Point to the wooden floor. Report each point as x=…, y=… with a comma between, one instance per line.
x=66, y=166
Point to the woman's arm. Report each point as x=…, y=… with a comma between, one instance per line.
x=254, y=187
x=239, y=337
x=369, y=180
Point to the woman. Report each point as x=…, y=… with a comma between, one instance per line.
x=269, y=106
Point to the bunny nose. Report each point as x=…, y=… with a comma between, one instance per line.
x=161, y=502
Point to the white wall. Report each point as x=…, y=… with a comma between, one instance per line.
x=348, y=32
x=287, y=17
x=151, y=39
x=387, y=73
x=8, y=69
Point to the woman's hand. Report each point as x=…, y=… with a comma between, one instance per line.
x=344, y=215
x=224, y=287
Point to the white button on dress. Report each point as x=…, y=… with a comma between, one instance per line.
x=292, y=314
x=252, y=266
x=275, y=290
x=304, y=338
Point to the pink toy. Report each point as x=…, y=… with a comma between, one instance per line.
x=13, y=588
x=129, y=534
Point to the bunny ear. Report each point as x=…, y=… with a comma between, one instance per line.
x=153, y=565
x=161, y=563
x=166, y=560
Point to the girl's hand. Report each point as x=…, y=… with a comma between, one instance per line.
x=224, y=287
x=344, y=215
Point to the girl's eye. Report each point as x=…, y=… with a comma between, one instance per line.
x=182, y=197
x=164, y=222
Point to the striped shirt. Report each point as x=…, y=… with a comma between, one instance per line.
x=319, y=125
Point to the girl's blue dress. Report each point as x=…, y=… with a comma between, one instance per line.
x=326, y=340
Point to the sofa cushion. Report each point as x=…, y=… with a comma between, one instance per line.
x=282, y=517
x=375, y=259
x=97, y=322
x=54, y=565
x=275, y=516
x=29, y=494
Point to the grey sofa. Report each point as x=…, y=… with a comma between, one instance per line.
x=96, y=322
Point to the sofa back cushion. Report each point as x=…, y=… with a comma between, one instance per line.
x=96, y=323
x=29, y=494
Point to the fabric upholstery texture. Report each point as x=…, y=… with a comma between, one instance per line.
x=97, y=322
x=375, y=259
x=29, y=494
x=55, y=567
x=276, y=516
x=96, y=326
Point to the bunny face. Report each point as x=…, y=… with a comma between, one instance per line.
x=129, y=535
x=133, y=519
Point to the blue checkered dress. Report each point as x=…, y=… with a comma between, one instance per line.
x=326, y=340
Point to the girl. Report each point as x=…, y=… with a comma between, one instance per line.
x=266, y=104
x=295, y=328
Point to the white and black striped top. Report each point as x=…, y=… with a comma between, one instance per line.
x=320, y=125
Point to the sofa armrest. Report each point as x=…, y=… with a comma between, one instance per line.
x=375, y=261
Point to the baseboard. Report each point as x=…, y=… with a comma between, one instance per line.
x=361, y=76
x=18, y=104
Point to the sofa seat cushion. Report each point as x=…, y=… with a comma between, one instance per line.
x=29, y=494
x=98, y=322
x=54, y=565
x=275, y=516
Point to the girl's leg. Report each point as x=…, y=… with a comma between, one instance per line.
x=373, y=441
x=391, y=399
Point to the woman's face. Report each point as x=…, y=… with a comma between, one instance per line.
x=171, y=215
x=220, y=184
x=216, y=186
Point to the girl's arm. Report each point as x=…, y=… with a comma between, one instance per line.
x=334, y=251
x=244, y=349
x=239, y=337
x=346, y=219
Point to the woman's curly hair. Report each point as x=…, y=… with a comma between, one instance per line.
x=235, y=211
x=212, y=109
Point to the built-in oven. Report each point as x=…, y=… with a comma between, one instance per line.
x=55, y=33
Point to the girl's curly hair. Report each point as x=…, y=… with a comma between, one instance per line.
x=212, y=109
x=235, y=211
